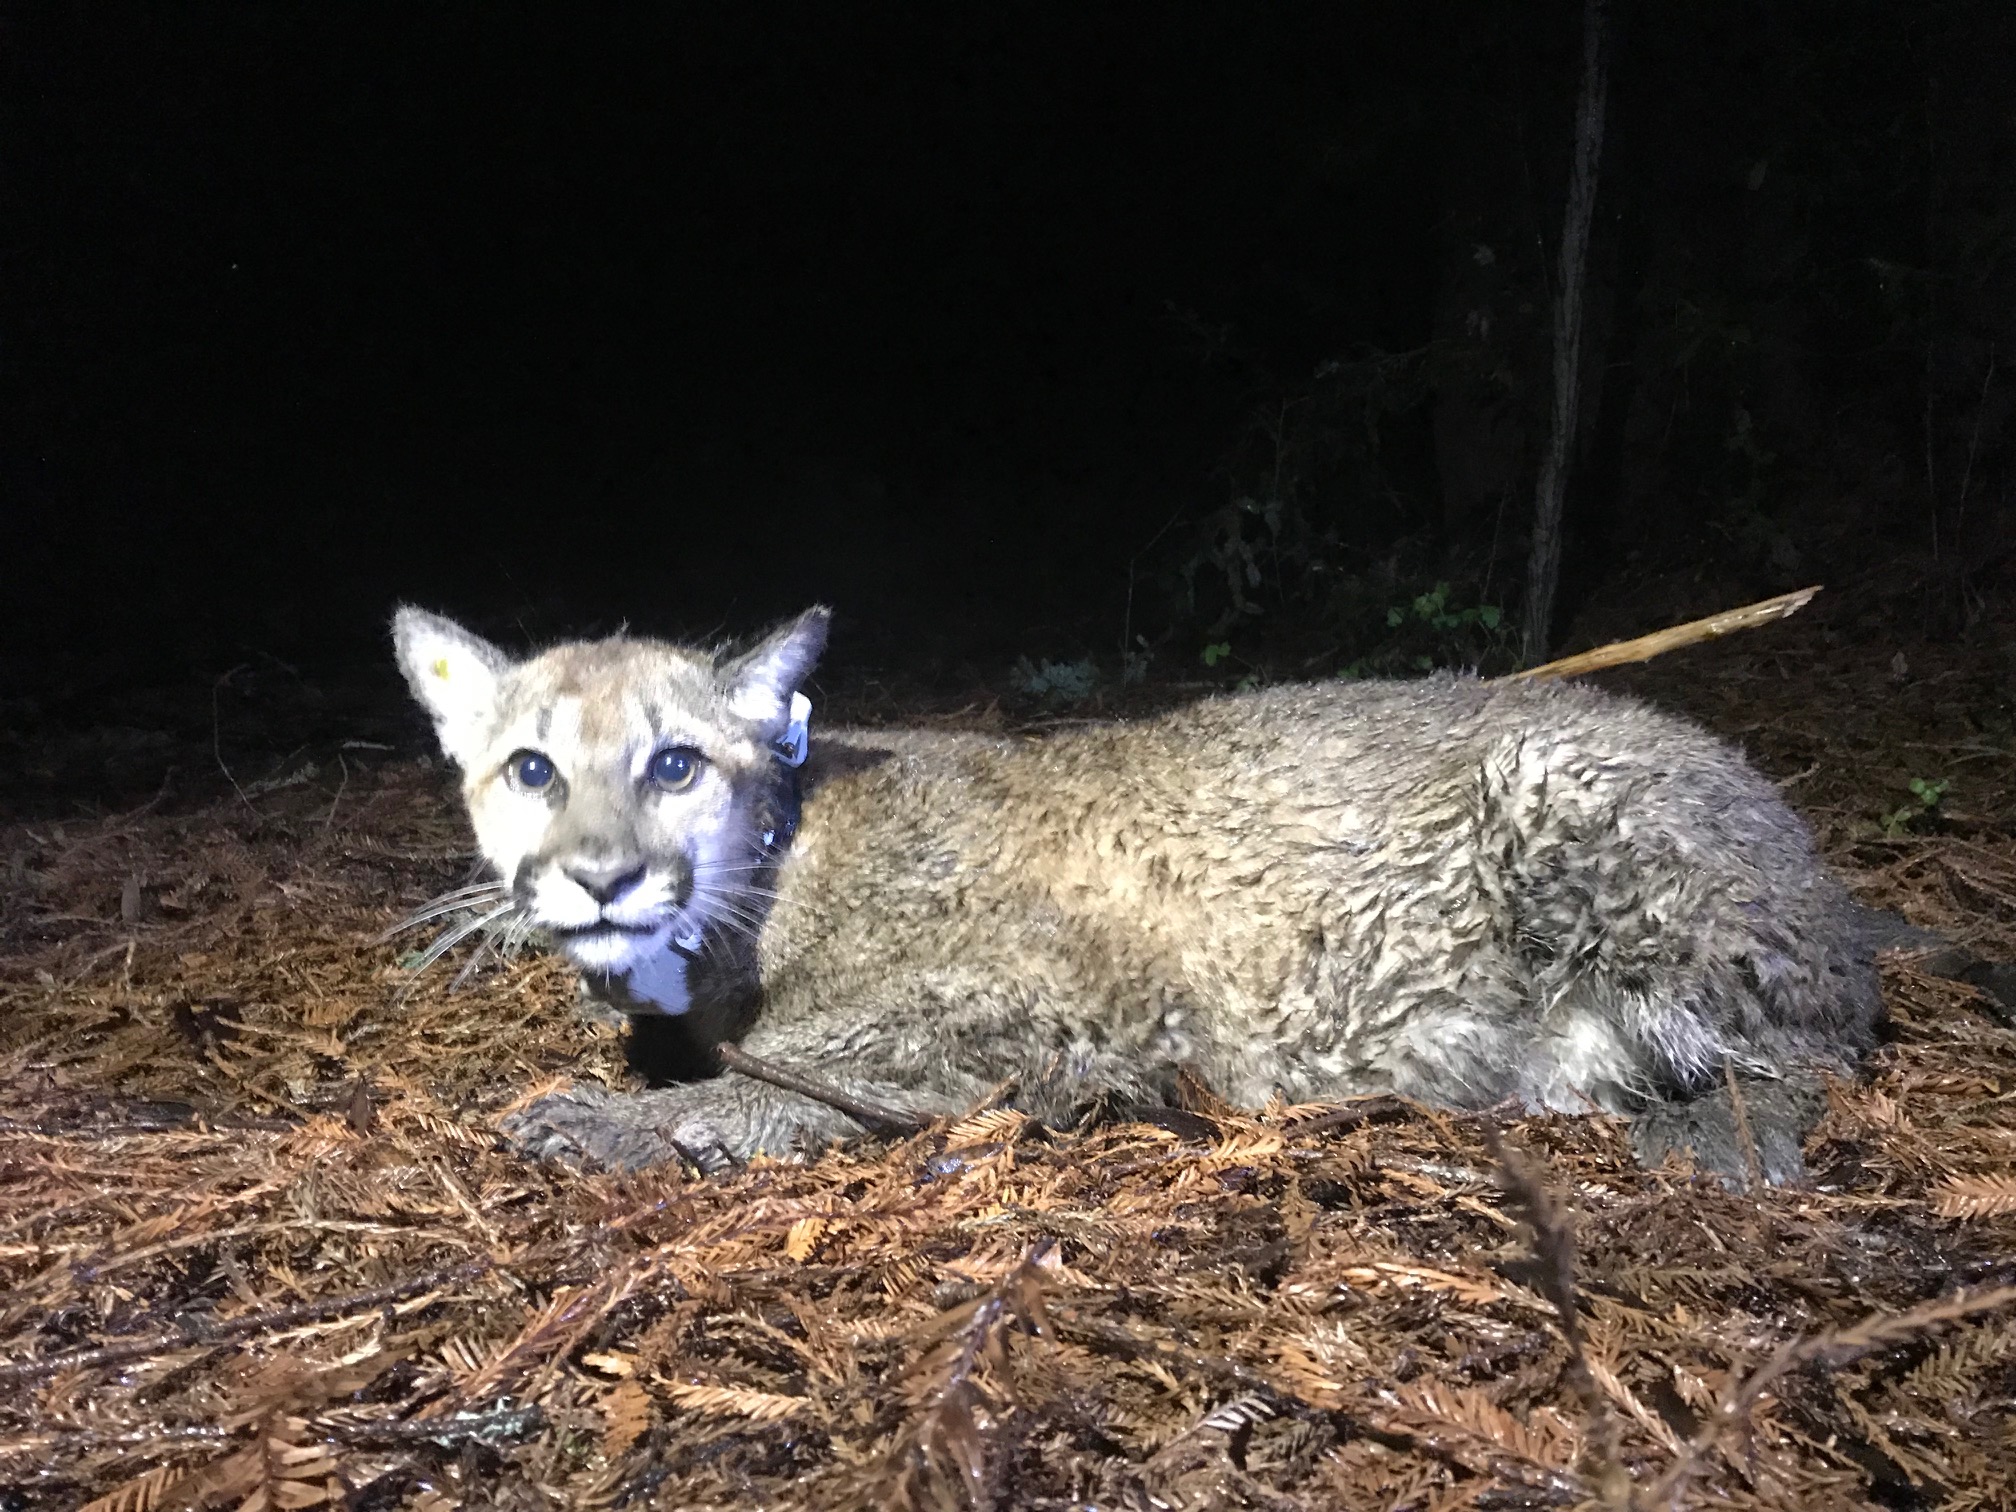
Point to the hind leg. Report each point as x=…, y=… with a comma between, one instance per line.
x=1777, y=1115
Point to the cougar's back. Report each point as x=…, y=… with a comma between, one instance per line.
x=1459, y=890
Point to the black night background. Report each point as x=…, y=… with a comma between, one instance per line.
x=970, y=320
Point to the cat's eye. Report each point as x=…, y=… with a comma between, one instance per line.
x=673, y=769
x=530, y=771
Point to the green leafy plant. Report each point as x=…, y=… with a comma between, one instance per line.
x=1300, y=472
x=1219, y=652
x=1926, y=796
x=1060, y=684
x=1433, y=609
x=1432, y=629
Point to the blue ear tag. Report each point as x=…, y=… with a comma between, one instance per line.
x=797, y=737
x=790, y=748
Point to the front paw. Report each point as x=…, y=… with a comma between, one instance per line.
x=623, y=1131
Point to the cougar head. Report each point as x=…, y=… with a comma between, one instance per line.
x=620, y=787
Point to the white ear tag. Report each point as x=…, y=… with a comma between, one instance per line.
x=796, y=740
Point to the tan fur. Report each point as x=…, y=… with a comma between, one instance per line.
x=1464, y=892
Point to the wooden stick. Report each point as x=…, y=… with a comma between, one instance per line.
x=884, y=1120
x=1645, y=647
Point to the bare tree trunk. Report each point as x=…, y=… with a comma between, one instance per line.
x=1543, y=565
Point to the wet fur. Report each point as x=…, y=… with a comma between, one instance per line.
x=1466, y=892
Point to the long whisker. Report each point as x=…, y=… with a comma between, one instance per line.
x=447, y=903
x=768, y=903
x=500, y=946
x=484, y=951
x=757, y=901
x=733, y=869
x=725, y=932
x=737, y=895
x=516, y=935
x=723, y=879
x=474, y=886
x=735, y=881
x=738, y=886
x=730, y=909
x=450, y=938
x=471, y=889
x=719, y=942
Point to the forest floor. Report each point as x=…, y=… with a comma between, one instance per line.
x=261, y=1248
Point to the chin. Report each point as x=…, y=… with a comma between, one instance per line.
x=613, y=951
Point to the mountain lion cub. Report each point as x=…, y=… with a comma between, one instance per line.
x=1466, y=892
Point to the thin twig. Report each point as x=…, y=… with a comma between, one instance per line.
x=1127, y=618
x=274, y=1320
x=1739, y=1108
x=112, y=821
x=886, y=1120
x=217, y=739
x=330, y=817
x=1359, y=1110
x=1553, y=1242
x=505, y=1421
x=1835, y=1347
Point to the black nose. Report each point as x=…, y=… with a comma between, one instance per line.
x=607, y=883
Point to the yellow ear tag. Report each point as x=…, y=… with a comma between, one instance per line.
x=441, y=667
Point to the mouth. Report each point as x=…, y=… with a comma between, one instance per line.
x=602, y=929
x=605, y=946
x=610, y=946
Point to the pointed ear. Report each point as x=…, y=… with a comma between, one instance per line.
x=454, y=674
x=759, y=683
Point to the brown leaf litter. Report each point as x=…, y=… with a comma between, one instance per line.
x=261, y=1248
